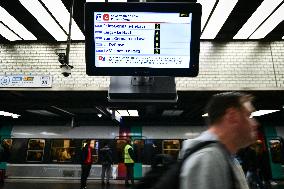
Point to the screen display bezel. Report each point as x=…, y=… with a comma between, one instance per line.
x=191, y=71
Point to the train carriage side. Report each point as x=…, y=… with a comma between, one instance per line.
x=37, y=152
x=54, y=152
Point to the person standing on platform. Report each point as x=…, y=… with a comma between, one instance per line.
x=86, y=163
x=129, y=163
x=106, y=160
x=231, y=127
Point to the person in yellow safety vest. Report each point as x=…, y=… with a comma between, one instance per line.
x=129, y=162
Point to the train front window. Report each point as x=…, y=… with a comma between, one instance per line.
x=275, y=147
x=171, y=147
x=35, y=150
x=62, y=150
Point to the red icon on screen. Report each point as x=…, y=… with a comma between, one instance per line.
x=102, y=58
x=106, y=17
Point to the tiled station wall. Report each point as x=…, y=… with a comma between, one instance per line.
x=223, y=65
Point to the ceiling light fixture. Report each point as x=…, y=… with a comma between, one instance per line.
x=261, y=13
x=44, y=18
x=127, y=113
x=269, y=24
x=58, y=10
x=15, y=26
x=123, y=112
x=205, y=115
x=133, y=113
x=8, y=114
x=262, y=112
x=95, y=1
x=117, y=0
x=218, y=18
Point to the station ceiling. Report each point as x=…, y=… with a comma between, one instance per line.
x=47, y=21
x=59, y=107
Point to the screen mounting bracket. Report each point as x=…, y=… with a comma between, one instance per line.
x=142, y=89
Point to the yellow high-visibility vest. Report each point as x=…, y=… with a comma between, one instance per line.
x=127, y=158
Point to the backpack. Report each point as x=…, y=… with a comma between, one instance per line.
x=165, y=171
x=106, y=158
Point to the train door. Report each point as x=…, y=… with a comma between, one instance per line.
x=138, y=146
x=120, y=144
x=5, y=133
x=275, y=149
x=276, y=157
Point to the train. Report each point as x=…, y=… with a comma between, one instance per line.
x=53, y=152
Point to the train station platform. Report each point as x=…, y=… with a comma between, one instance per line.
x=75, y=184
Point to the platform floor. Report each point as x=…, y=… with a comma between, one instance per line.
x=92, y=184
x=60, y=184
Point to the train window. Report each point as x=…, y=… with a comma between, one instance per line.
x=6, y=149
x=62, y=150
x=275, y=147
x=152, y=147
x=96, y=150
x=171, y=147
x=35, y=150
x=7, y=143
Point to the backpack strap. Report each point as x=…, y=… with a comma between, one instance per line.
x=195, y=148
x=203, y=144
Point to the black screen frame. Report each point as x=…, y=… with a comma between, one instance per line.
x=92, y=70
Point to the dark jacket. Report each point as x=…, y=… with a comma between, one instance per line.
x=106, y=156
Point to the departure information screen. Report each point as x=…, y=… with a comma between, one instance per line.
x=142, y=39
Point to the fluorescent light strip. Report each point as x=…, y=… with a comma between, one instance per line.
x=44, y=18
x=218, y=18
x=261, y=13
x=14, y=25
x=8, y=34
x=269, y=24
x=205, y=115
x=95, y=0
x=104, y=0
x=133, y=113
x=58, y=10
x=262, y=112
x=123, y=112
x=117, y=0
x=7, y=114
x=207, y=6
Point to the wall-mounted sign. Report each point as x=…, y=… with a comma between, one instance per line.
x=25, y=81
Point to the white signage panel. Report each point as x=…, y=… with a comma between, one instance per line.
x=23, y=81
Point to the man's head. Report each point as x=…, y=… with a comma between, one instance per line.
x=91, y=143
x=128, y=141
x=232, y=111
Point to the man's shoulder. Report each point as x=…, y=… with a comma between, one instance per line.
x=210, y=153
